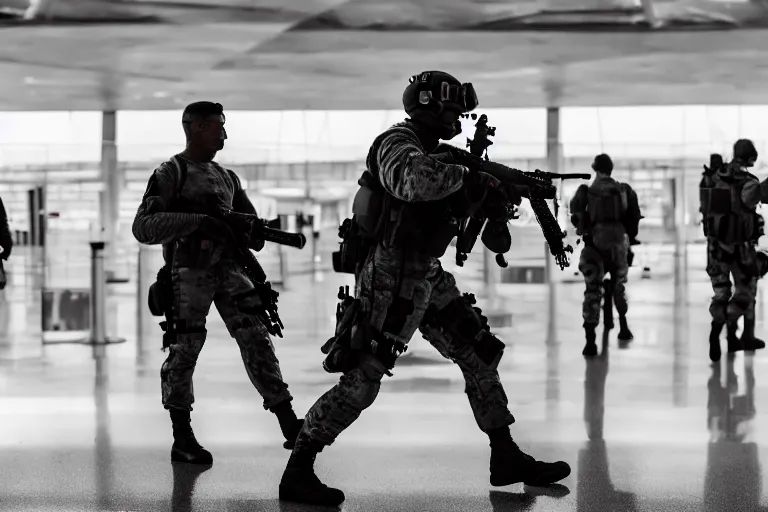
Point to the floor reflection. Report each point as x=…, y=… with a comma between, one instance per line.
x=733, y=478
x=594, y=488
x=184, y=480
x=103, y=451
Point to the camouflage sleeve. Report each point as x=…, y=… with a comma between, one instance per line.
x=409, y=174
x=751, y=193
x=153, y=223
x=240, y=201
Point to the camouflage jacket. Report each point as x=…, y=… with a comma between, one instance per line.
x=208, y=187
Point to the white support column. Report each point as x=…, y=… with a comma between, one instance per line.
x=554, y=157
x=681, y=228
x=650, y=13
x=110, y=197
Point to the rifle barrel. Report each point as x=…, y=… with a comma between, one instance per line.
x=566, y=176
x=297, y=240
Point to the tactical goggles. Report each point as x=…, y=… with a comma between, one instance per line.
x=463, y=95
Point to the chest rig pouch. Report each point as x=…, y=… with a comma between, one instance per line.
x=725, y=217
x=426, y=228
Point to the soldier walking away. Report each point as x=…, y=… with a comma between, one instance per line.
x=729, y=195
x=179, y=211
x=607, y=216
x=403, y=223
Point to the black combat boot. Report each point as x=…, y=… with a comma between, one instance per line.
x=590, y=349
x=300, y=484
x=714, y=341
x=624, y=333
x=185, y=446
x=509, y=465
x=748, y=339
x=290, y=425
x=734, y=343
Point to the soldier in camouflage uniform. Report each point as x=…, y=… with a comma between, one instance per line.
x=199, y=248
x=403, y=208
x=729, y=197
x=606, y=214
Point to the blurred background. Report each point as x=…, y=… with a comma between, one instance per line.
x=90, y=105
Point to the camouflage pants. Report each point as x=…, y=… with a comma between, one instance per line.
x=396, y=289
x=594, y=263
x=732, y=299
x=194, y=292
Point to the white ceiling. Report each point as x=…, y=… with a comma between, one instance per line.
x=327, y=54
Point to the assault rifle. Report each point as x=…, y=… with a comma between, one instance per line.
x=496, y=235
x=267, y=230
x=266, y=311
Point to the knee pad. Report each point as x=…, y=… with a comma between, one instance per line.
x=397, y=315
x=489, y=349
x=458, y=318
x=466, y=325
x=762, y=264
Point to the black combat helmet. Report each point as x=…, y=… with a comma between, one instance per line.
x=744, y=151
x=430, y=93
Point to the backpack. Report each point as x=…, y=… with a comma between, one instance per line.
x=181, y=177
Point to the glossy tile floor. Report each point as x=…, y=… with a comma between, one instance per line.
x=647, y=427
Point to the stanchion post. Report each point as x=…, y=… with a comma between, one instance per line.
x=98, y=297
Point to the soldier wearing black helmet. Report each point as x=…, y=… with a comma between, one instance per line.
x=404, y=219
x=729, y=197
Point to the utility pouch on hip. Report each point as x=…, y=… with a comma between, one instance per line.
x=353, y=249
x=340, y=357
x=160, y=296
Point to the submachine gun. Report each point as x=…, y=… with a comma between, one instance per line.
x=496, y=235
x=264, y=230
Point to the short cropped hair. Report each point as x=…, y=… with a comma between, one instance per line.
x=603, y=164
x=200, y=111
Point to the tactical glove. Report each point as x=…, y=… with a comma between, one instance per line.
x=477, y=184
x=244, y=227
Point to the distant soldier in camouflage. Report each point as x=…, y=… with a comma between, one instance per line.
x=403, y=211
x=607, y=215
x=199, y=251
x=729, y=195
